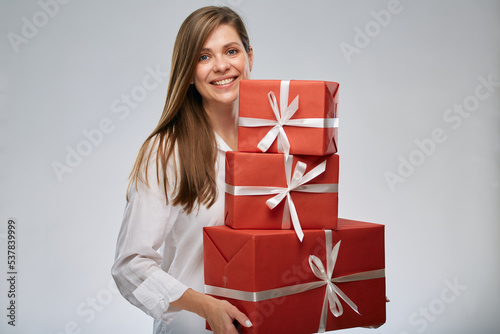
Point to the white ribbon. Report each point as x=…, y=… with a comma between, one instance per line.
x=325, y=278
x=333, y=292
x=294, y=183
x=283, y=114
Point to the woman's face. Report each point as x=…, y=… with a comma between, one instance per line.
x=223, y=62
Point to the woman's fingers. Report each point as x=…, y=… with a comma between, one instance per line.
x=240, y=317
x=223, y=317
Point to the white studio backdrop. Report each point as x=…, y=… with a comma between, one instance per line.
x=82, y=83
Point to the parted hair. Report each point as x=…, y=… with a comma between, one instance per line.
x=184, y=122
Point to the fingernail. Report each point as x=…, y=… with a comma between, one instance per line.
x=248, y=323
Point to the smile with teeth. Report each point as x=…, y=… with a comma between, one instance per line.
x=223, y=82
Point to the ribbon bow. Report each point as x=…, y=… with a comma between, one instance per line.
x=283, y=113
x=293, y=183
x=332, y=291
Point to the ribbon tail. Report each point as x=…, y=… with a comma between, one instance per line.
x=295, y=218
x=274, y=201
x=283, y=142
x=269, y=138
x=324, y=315
x=345, y=298
x=285, y=222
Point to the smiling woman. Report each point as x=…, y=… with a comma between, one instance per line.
x=176, y=184
x=221, y=67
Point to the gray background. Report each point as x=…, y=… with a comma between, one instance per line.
x=73, y=72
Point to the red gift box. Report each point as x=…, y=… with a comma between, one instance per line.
x=268, y=275
x=306, y=110
x=254, y=179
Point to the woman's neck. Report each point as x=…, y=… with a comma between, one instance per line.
x=224, y=118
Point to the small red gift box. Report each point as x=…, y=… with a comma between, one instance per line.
x=296, y=117
x=269, y=191
x=332, y=280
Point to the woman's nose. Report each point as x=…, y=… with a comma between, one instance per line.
x=221, y=64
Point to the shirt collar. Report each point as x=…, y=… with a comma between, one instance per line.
x=222, y=144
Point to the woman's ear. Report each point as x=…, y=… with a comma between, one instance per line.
x=250, y=58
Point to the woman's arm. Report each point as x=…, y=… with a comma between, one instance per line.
x=141, y=280
x=137, y=272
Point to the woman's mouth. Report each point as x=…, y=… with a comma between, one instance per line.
x=223, y=82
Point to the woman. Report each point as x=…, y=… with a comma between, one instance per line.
x=177, y=181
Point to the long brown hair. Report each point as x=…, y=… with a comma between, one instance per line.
x=184, y=121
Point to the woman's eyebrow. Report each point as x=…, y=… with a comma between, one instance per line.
x=224, y=46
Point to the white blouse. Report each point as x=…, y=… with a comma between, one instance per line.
x=159, y=252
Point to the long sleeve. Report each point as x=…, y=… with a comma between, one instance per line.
x=159, y=252
x=137, y=270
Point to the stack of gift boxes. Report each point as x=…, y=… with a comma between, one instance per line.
x=284, y=258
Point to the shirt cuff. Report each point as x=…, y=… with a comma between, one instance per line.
x=158, y=291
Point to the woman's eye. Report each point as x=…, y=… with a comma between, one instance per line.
x=204, y=57
x=232, y=52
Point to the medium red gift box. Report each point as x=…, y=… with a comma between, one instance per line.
x=268, y=275
x=254, y=179
x=300, y=113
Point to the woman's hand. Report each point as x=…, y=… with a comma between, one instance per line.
x=220, y=314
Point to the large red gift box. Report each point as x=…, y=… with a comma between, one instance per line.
x=268, y=275
x=254, y=178
x=305, y=112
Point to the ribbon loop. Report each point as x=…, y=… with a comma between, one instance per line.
x=334, y=302
x=317, y=268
